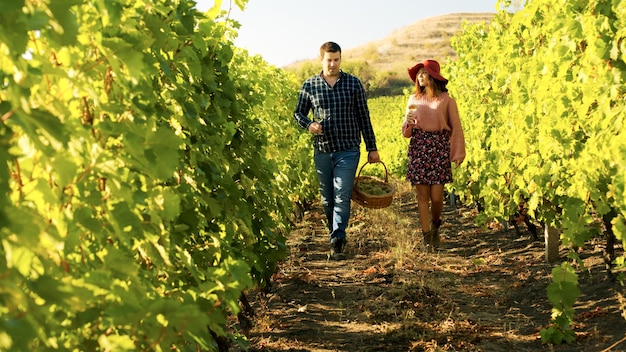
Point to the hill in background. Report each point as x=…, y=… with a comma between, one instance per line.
x=425, y=39
x=386, y=60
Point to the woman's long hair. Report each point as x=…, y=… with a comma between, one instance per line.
x=438, y=87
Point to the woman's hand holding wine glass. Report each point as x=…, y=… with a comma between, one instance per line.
x=411, y=116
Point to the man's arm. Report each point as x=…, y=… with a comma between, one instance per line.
x=365, y=123
x=303, y=107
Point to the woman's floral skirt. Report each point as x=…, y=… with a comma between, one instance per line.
x=429, y=158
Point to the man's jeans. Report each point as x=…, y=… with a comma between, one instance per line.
x=336, y=172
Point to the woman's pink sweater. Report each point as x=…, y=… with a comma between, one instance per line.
x=437, y=114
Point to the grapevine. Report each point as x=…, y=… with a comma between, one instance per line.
x=143, y=195
x=542, y=99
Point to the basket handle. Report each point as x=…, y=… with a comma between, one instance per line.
x=367, y=162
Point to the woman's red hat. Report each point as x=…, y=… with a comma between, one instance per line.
x=431, y=66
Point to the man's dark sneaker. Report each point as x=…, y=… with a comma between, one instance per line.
x=337, y=246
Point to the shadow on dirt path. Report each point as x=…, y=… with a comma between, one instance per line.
x=484, y=290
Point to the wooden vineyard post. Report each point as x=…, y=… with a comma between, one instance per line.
x=553, y=240
x=452, y=200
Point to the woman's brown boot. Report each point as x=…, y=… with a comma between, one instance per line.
x=435, y=239
x=428, y=240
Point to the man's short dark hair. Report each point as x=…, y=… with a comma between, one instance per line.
x=329, y=47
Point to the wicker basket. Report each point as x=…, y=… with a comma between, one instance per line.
x=371, y=200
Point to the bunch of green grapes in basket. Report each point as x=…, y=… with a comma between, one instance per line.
x=374, y=187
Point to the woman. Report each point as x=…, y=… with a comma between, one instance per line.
x=432, y=122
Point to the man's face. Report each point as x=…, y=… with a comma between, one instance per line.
x=331, y=63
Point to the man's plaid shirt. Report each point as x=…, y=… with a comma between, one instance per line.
x=341, y=110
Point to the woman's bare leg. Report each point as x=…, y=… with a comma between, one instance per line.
x=436, y=197
x=423, y=205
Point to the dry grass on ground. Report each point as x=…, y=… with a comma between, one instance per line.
x=485, y=290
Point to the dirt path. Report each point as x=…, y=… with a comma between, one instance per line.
x=484, y=290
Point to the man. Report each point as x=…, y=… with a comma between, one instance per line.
x=340, y=117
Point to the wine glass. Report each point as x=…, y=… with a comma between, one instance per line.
x=411, y=118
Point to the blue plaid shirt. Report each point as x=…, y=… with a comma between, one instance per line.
x=341, y=110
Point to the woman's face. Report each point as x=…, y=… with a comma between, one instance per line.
x=423, y=78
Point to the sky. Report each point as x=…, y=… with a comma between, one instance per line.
x=286, y=31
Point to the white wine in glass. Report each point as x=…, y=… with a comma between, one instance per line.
x=412, y=109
